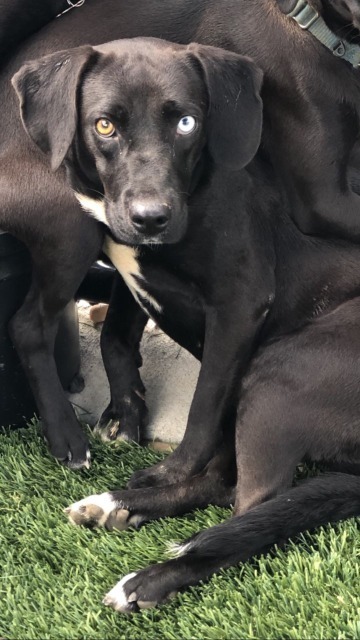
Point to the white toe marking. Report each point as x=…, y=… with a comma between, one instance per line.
x=135, y=521
x=104, y=501
x=125, y=261
x=87, y=464
x=116, y=597
x=96, y=208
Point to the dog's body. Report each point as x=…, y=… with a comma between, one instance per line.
x=269, y=302
x=272, y=314
x=205, y=245
x=311, y=128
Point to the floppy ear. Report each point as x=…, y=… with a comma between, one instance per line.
x=47, y=90
x=235, y=107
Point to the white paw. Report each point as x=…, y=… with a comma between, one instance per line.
x=93, y=510
x=117, y=599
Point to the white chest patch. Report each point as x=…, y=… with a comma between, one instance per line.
x=125, y=261
x=95, y=208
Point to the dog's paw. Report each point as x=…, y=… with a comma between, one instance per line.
x=103, y=510
x=77, y=462
x=126, y=421
x=160, y=474
x=137, y=591
x=93, y=511
x=111, y=430
x=70, y=448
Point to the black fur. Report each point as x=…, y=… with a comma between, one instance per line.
x=272, y=314
x=310, y=132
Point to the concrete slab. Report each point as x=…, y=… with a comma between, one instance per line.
x=169, y=373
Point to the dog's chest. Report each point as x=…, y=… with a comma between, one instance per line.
x=125, y=260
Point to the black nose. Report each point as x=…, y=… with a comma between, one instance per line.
x=149, y=217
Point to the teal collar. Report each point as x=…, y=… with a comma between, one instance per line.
x=310, y=20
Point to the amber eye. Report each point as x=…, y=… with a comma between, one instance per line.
x=104, y=127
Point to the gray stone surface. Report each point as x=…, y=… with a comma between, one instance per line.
x=169, y=374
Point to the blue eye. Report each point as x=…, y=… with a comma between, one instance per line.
x=186, y=125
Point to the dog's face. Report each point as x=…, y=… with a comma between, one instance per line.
x=142, y=124
x=131, y=120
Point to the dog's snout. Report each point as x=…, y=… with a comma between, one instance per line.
x=149, y=217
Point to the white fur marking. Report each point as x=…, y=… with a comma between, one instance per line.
x=96, y=208
x=104, y=501
x=177, y=550
x=116, y=597
x=125, y=261
x=135, y=521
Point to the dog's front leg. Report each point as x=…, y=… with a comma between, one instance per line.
x=126, y=414
x=125, y=508
x=230, y=339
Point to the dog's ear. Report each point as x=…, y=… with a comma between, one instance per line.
x=47, y=90
x=235, y=108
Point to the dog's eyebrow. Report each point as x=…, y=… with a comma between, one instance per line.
x=173, y=106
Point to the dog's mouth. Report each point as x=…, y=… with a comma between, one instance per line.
x=133, y=238
x=151, y=224
x=137, y=240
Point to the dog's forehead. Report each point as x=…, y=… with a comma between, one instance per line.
x=145, y=65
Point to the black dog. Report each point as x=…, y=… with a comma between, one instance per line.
x=283, y=313
x=272, y=313
x=310, y=132
x=244, y=291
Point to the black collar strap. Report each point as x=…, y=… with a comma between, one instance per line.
x=310, y=20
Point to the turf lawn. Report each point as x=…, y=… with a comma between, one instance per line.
x=53, y=575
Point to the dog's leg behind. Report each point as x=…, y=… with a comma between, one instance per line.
x=126, y=414
x=63, y=244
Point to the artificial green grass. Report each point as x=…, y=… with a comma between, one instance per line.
x=54, y=575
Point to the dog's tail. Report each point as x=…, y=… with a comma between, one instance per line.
x=318, y=501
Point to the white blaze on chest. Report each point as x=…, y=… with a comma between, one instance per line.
x=95, y=208
x=125, y=261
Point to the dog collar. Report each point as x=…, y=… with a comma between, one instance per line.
x=310, y=20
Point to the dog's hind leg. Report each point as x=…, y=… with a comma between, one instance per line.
x=316, y=502
x=299, y=398
x=126, y=415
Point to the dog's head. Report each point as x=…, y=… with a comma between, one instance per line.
x=131, y=120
